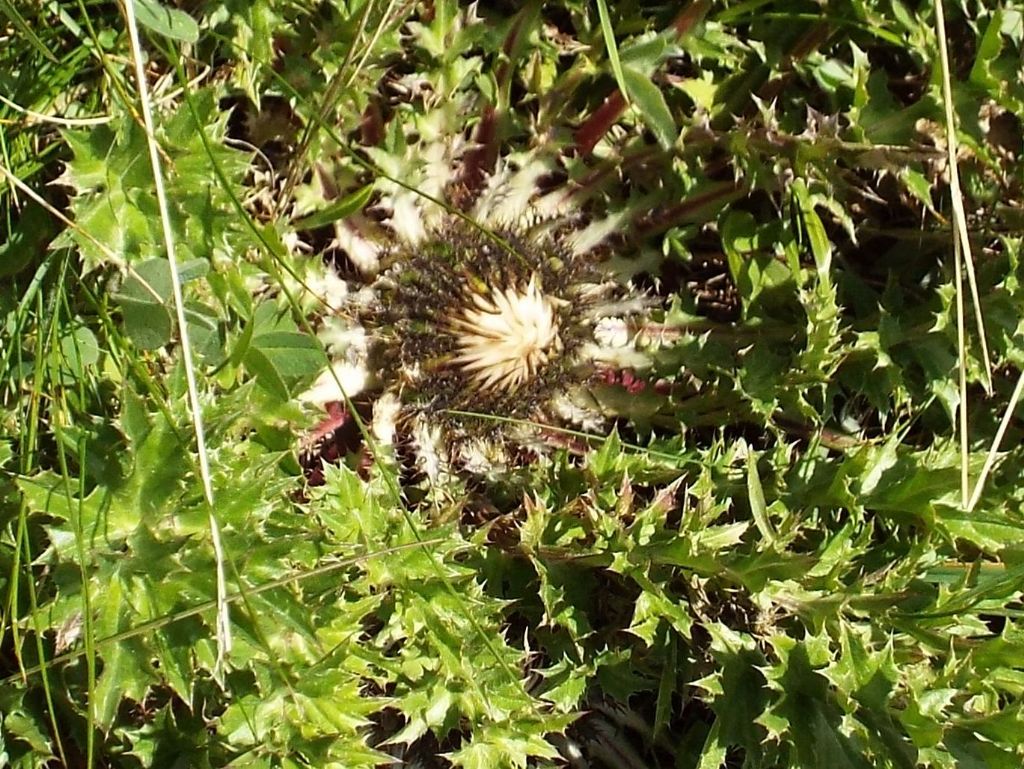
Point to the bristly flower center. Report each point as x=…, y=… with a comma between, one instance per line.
x=507, y=336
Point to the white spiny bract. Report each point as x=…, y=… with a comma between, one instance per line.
x=505, y=337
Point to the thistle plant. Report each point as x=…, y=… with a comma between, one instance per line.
x=476, y=283
x=710, y=240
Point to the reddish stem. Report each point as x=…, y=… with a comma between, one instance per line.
x=597, y=125
x=371, y=125
x=694, y=209
x=479, y=162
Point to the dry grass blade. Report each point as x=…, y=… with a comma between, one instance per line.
x=223, y=617
x=962, y=251
x=39, y=117
x=957, y=201
x=961, y=344
x=993, y=451
x=37, y=198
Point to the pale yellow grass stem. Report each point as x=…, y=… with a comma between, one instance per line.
x=223, y=618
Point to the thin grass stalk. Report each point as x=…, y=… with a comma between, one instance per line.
x=44, y=341
x=223, y=623
x=39, y=117
x=956, y=193
x=963, y=258
x=612, y=48
x=993, y=451
x=961, y=344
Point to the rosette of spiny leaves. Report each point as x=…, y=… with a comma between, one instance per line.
x=491, y=271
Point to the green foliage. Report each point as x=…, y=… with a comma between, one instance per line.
x=169, y=22
x=766, y=563
x=114, y=203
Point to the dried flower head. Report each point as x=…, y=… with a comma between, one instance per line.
x=506, y=336
x=490, y=322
